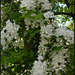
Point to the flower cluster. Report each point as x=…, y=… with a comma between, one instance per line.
x=58, y=57
x=67, y=34
x=46, y=32
x=30, y=23
x=16, y=1
x=49, y=15
x=45, y=4
x=9, y=34
x=39, y=68
x=58, y=60
x=32, y=4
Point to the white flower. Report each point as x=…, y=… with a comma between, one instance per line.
x=30, y=4
x=27, y=21
x=48, y=15
x=16, y=1
x=58, y=60
x=46, y=6
x=9, y=33
x=46, y=31
x=39, y=68
x=68, y=34
x=40, y=57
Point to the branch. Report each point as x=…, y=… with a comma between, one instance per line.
x=63, y=13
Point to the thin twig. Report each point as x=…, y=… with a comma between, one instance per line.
x=63, y=13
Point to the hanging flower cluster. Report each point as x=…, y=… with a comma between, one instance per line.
x=68, y=35
x=9, y=35
x=34, y=5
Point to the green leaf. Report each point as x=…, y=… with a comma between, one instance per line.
x=11, y=59
x=32, y=34
x=73, y=10
x=57, y=9
x=69, y=72
x=18, y=68
x=53, y=37
x=39, y=16
x=72, y=55
x=4, y=59
x=71, y=50
x=69, y=10
x=65, y=8
x=25, y=52
x=70, y=1
x=62, y=72
x=37, y=31
x=47, y=45
x=28, y=14
x=23, y=8
x=61, y=9
x=15, y=15
x=31, y=53
x=9, y=71
x=56, y=48
x=16, y=55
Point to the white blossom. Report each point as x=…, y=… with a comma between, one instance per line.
x=48, y=15
x=9, y=33
x=45, y=5
x=30, y=4
x=67, y=34
x=58, y=60
x=39, y=68
x=46, y=31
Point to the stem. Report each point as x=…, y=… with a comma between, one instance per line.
x=63, y=13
